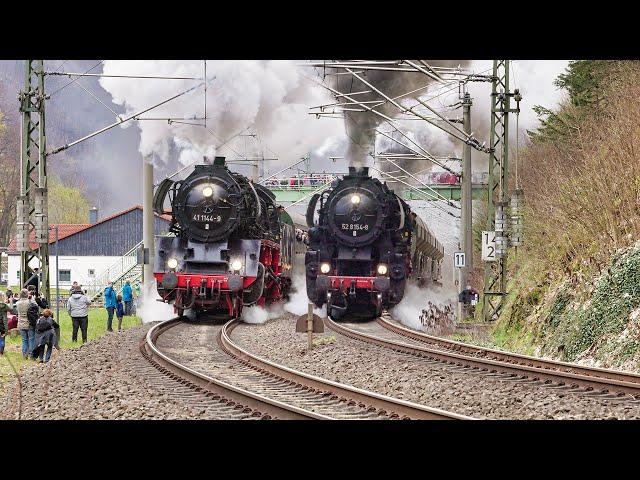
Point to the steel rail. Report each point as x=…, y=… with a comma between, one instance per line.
x=515, y=358
x=267, y=406
x=490, y=365
x=386, y=405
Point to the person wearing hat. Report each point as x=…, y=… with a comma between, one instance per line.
x=78, y=308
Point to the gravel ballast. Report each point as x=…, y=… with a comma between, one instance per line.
x=103, y=379
x=404, y=376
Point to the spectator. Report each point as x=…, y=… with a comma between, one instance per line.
x=78, y=308
x=4, y=327
x=119, y=312
x=45, y=336
x=27, y=334
x=137, y=290
x=74, y=287
x=14, y=307
x=110, y=301
x=38, y=299
x=9, y=298
x=127, y=297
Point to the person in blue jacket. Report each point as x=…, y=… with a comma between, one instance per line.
x=127, y=297
x=119, y=312
x=110, y=303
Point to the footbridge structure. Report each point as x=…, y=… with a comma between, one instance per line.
x=296, y=188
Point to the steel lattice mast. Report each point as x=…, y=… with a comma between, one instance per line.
x=32, y=204
x=495, y=273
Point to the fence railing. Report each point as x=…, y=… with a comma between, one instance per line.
x=299, y=182
x=125, y=268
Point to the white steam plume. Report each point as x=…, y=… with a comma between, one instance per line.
x=415, y=299
x=298, y=303
x=150, y=310
x=270, y=96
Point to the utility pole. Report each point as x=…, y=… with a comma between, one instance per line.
x=495, y=278
x=466, y=216
x=32, y=203
x=147, y=222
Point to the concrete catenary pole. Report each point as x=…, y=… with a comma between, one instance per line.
x=466, y=220
x=147, y=220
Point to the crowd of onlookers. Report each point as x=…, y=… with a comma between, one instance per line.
x=304, y=180
x=437, y=316
x=29, y=314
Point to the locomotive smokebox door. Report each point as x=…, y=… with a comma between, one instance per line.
x=301, y=324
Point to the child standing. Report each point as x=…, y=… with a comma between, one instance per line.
x=119, y=312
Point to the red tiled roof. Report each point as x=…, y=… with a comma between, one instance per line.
x=68, y=229
x=64, y=230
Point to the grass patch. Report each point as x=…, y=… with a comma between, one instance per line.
x=324, y=340
x=97, y=328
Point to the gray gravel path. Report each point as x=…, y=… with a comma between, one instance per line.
x=103, y=379
x=419, y=380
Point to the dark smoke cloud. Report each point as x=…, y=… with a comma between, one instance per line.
x=108, y=167
x=360, y=126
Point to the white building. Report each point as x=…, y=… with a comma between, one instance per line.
x=86, y=251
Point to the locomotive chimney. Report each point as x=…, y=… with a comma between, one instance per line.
x=219, y=161
x=359, y=172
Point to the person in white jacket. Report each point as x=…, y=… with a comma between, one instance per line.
x=78, y=308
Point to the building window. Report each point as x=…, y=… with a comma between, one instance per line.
x=64, y=275
x=92, y=272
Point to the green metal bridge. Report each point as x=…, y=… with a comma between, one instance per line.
x=296, y=189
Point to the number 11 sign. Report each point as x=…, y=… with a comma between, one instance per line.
x=489, y=246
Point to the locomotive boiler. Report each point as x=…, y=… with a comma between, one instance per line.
x=365, y=246
x=229, y=247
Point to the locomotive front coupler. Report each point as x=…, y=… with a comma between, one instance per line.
x=203, y=288
x=352, y=290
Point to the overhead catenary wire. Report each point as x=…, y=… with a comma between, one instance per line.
x=438, y=194
x=121, y=121
x=322, y=188
x=429, y=196
x=105, y=75
x=72, y=81
x=79, y=85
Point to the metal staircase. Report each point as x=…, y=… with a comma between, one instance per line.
x=126, y=268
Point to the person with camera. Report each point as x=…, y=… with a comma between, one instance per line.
x=26, y=326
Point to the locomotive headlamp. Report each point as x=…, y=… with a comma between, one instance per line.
x=355, y=199
x=207, y=191
x=236, y=265
x=172, y=263
x=325, y=267
x=382, y=269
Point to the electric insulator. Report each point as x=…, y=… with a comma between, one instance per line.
x=41, y=219
x=22, y=224
x=501, y=230
x=517, y=218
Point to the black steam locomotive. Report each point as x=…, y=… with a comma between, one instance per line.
x=230, y=245
x=365, y=246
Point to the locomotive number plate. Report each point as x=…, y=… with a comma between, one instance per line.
x=354, y=226
x=206, y=218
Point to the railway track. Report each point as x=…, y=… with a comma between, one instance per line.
x=596, y=382
x=253, y=387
